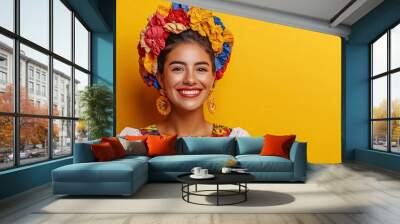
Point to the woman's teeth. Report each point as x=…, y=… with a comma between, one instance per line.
x=189, y=93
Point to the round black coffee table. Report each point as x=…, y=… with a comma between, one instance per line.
x=238, y=179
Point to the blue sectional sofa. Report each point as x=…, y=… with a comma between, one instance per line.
x=125, y=176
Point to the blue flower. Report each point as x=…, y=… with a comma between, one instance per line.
x=221, y=59
x=218, y=21
x=155, y=83
x=151, y=80
x=176, y=6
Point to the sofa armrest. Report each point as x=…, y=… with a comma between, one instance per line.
x=298, y=155
x=83, y=152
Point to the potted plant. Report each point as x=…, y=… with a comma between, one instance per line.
x=96, y=102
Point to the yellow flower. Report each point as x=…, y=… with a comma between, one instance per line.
x=148, y=63
x=228, y=36
x=199, y=20
x=199, y=15
x=216, y=36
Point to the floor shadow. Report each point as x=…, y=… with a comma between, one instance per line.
x=255, y=198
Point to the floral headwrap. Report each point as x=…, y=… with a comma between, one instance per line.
x=177, y=18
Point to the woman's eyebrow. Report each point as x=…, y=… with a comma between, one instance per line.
x=177, y=62
x=183, y=63
x=202, y=63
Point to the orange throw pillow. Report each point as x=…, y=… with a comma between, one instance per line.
x=135, y=138
x=103, y=151
x=277, y=145
x=116, y=145
x=159, y=145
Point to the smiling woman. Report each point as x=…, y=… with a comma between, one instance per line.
x=182, y=52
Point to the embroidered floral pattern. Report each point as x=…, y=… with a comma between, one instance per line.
x=218, y=130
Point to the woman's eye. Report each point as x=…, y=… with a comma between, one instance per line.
x=202, y=69
x=177, y=69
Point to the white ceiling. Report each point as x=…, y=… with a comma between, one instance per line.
x=322, y=9
x=324, y=16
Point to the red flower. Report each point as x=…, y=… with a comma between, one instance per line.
x=177, y=16
x=156, y=20
x=155, y=37
x=140, y=50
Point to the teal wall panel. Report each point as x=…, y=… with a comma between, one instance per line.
x=24, y=178
x=357, y=85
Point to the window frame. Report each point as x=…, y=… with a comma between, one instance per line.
x=388, y=74
x=16, y=115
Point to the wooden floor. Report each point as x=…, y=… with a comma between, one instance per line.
x=377, y=188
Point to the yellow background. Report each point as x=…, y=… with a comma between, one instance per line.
x=280, y=80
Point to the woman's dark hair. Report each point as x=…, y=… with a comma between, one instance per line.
x=187, y=36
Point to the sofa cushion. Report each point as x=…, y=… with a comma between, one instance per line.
x=160, y=145
x=257, y=163
x=116, y=145
x=275, y=145
x=103, y=152
x=133, y=158
x=207, y=145
x=134, y=147
x=249, y=145
x=83, y=152
x=112, y=171
x=185, y=163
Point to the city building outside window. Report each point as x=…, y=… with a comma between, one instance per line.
x=39, y=81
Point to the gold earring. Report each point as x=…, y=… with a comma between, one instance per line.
x=211, y=103
x=163, y=105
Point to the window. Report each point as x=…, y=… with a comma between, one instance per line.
x=30, y=72
x=3, y=78
x=385, y=91
x=62, y=30
x=62, y=74
x=3, y=72
x=7, y=71
x=7, y=141
x=62, y=137
x=38, y=74
x=30, y=87
x=44, y=91
x=81, y=45
x=7, y=14
x=46, y=78
x=34, y=21
x=81, y=81
x=3, y=60
x=37, y=89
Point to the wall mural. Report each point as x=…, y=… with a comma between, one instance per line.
x=182, y=70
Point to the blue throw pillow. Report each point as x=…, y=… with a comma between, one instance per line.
x=207, y=145
x=249, y=145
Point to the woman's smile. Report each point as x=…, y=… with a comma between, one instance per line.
x=189, y=92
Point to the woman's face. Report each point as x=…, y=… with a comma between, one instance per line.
x=188, y=77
